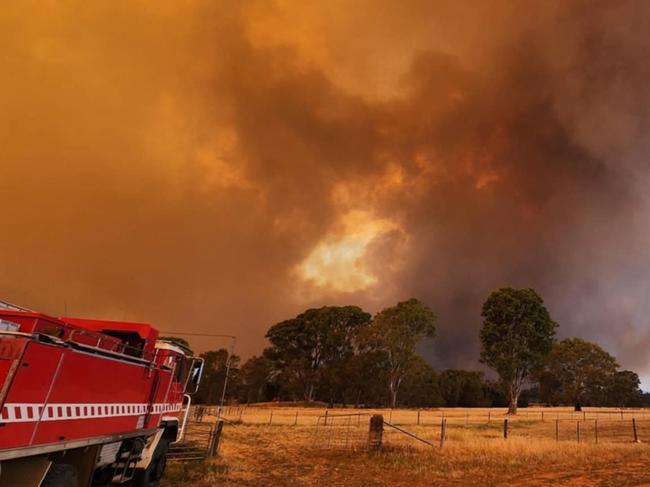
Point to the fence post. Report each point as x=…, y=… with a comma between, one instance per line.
x=241, y=412
x=542, y=416
x=326, y=413
x=376, y=432
x=418, y=417
x=596, y=429
x=466, y=419
x=584, y=415
x=505, y=428
x=443, y=431
x=295, y=421
x=215, y=438
x=557, y=430
x=621, y=415
x=271, y=417
x=636, y=437
x=489, y=414
x=578, y=431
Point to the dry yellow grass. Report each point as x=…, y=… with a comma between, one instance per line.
x=256, y=453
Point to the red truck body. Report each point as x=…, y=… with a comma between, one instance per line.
x=68, y=384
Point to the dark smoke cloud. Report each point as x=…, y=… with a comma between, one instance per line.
x=177, y=164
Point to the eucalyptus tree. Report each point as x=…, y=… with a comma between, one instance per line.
x=582, y=370
x=395, y=332
x=302, y=348
x=517, y=334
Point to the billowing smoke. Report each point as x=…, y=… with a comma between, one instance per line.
x=219, y=166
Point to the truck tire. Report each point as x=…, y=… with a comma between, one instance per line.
x=61, y=475
x=150, y=477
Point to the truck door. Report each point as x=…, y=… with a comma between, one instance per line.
x=27, y=396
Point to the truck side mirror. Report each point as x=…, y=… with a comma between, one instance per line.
x=194, y=377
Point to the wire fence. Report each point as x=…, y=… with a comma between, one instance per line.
x=466, y=416
x=350, y=428
x=341, y=432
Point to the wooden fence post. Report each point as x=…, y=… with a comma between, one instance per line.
x=326, y=413
x=215, y=439
x=578, y=431
x=418, y=417
x=557, y=430
x=295, y=421
x=596, y=430
x=489, y=414
x=271, y=417
x=376, y=432
x=505, y=428
x=542, y=416
x=443, y=431
x=636, y=437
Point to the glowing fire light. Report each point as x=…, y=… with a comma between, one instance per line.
x=339, y=261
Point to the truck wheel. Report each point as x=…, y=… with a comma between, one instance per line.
x=61, y=475
x=154, y=472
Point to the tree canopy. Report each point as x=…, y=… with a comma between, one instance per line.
x=579, y=372
x=303, y=347
x=623, y=389
x=462, y=388
x=214, y=375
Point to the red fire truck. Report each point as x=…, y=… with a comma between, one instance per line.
x=88, y=402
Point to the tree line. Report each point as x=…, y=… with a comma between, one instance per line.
x=344, y=355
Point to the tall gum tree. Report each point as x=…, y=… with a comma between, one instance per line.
x=517, y=334
x=395, y=332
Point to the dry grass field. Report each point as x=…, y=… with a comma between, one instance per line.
x=265, y=446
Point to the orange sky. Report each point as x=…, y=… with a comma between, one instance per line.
x=220, y=166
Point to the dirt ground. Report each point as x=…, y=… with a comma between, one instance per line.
x=474, y=452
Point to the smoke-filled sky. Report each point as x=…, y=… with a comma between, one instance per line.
x=217, y=166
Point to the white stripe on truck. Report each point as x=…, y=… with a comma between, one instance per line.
x=29, y=412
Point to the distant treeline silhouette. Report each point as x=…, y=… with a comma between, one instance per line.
x=343, y=355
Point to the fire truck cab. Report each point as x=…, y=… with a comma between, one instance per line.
x=88, y=402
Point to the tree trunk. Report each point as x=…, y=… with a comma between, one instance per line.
x=512, y=407
x=514, y=397
x=577, y=406
x=395, y=381
x=394, y=384
x=309, y=395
